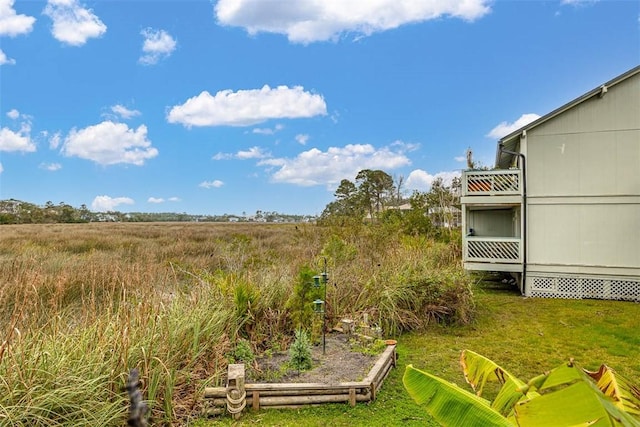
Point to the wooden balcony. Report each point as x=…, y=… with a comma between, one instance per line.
x=492, y=183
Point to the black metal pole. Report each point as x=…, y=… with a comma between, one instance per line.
x=325, y=279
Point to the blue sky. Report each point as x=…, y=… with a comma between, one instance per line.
x=236, y=106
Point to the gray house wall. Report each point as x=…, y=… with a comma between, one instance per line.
x=583, y=198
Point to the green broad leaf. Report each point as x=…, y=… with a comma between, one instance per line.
x=580, y=403
x=613, y=397
x=562, y=375
x=478, y=370
x=569, y=406
x=449, y=404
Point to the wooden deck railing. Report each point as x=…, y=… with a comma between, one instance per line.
x=495, y=182
x=493, y=249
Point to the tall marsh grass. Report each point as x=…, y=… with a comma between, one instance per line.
x=82, y=304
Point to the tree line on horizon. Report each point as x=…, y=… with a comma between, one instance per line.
x=374, y=196
x=14, y=211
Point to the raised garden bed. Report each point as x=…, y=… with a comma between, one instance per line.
x=238, y=395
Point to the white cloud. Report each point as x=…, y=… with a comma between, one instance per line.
x=108, y=143
x=306, y=21
x=579, y=2
x=315, y=167
x=12, y=24
x=13, y=114
x=54, y=140
x=5, y=60
x=504, y=128
x=157, y=45
x=17, y=140
x=460, y=159
x=1, y=168
x=252, y=153
x=268, y=131
x=52, y=167
x=211, y=184
x=124, y=112
x=174, y=199
x=247, y=107
x=302, y=138
x=73, y=24
x=106, y=203
x=155, y=200
x=421, y=180
x=222, y=156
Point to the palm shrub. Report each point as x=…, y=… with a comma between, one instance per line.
x=565, y=396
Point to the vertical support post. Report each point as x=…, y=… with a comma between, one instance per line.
x=236, y=393
x=352, y=396
x=255, y=400
x=325, y=281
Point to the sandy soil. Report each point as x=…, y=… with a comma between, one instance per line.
x=339, y=364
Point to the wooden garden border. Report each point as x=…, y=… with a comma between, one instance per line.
x=295, y=395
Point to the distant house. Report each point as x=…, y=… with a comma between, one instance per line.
x=447, y=217
x=561, y=211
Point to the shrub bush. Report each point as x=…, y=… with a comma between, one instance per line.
x=300, y=352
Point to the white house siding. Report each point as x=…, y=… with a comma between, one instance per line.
x=583, y=198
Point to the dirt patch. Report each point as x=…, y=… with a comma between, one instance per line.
x=340, y=363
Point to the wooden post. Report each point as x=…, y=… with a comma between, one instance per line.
x=236, y=394
x=255, y=400
x=352, y=396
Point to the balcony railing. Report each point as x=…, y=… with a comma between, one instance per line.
x=490, y=183
x=493, y=249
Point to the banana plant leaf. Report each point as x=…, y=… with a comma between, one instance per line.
x=478, y=370
x=449, y=404
x=625, y=395
x=572, y=397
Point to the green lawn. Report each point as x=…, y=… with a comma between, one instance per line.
x=525, y=336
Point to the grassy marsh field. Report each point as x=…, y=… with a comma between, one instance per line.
x=81, y=304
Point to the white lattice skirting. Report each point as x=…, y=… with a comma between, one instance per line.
x=581, y=287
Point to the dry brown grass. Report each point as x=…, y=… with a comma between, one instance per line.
x=84, y=303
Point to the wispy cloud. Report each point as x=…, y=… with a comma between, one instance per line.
x=157, y=45
x=124, y=112
x=73, y=24
x=268, y=131
x=52, y=167
x=5, y=60
x=211, y=184
x=252, y=153
x=578, y=2
x=247, y=107
x=306, y=21
x=302, y=138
